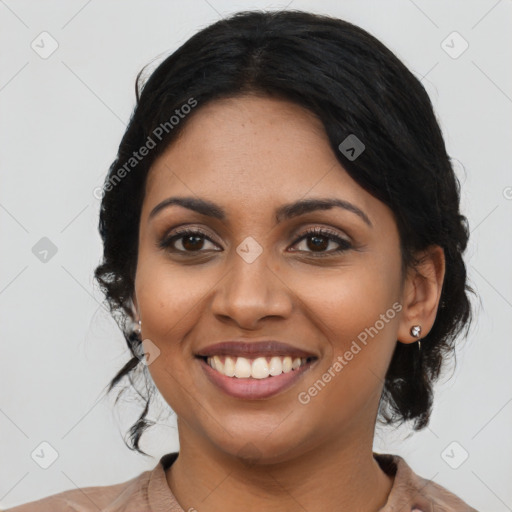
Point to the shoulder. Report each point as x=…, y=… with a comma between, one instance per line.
x=413, y=491
x=127, y=496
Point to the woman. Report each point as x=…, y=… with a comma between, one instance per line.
x=283, y=251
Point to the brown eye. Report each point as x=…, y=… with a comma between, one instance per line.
x=191, y=241
x=318, y=240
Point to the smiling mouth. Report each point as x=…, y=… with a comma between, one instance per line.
x=255, y=368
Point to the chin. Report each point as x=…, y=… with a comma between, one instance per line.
x=261, y=447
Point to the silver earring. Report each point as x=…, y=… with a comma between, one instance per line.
x=416, y=331
x=138, y=328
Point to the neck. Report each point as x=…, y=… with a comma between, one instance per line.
x=342, y=476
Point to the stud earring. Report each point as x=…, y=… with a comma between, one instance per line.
x=138, y=328
x=416, y=331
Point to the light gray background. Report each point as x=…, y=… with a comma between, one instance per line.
x=61, y=121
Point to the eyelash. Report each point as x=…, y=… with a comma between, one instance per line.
x=167, y=242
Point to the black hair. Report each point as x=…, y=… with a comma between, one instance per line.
x=356, y=86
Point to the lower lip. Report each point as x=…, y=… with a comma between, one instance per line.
x=254, y=389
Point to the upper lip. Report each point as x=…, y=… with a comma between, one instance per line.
x=254, y=348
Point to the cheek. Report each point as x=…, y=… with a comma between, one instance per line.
x=169, y=298
x=168, y=295
x=357, y=311
x=347, y=301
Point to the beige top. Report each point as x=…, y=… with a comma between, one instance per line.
x=149, y=492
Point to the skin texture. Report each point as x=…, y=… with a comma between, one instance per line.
x=250, y=155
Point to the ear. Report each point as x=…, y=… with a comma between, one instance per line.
x=421, y=293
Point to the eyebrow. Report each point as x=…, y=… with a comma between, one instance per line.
x=284, y=212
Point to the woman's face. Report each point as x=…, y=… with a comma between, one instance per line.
x=334, y=298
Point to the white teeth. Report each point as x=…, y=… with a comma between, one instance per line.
x=229, y=367
x=219, y=366
x=242, y=368
x=287, y=364
x=276, y=366
x=259, y=368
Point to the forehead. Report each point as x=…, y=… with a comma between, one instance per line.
x=253, y=152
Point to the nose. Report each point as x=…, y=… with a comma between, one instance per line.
x=252, y=291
